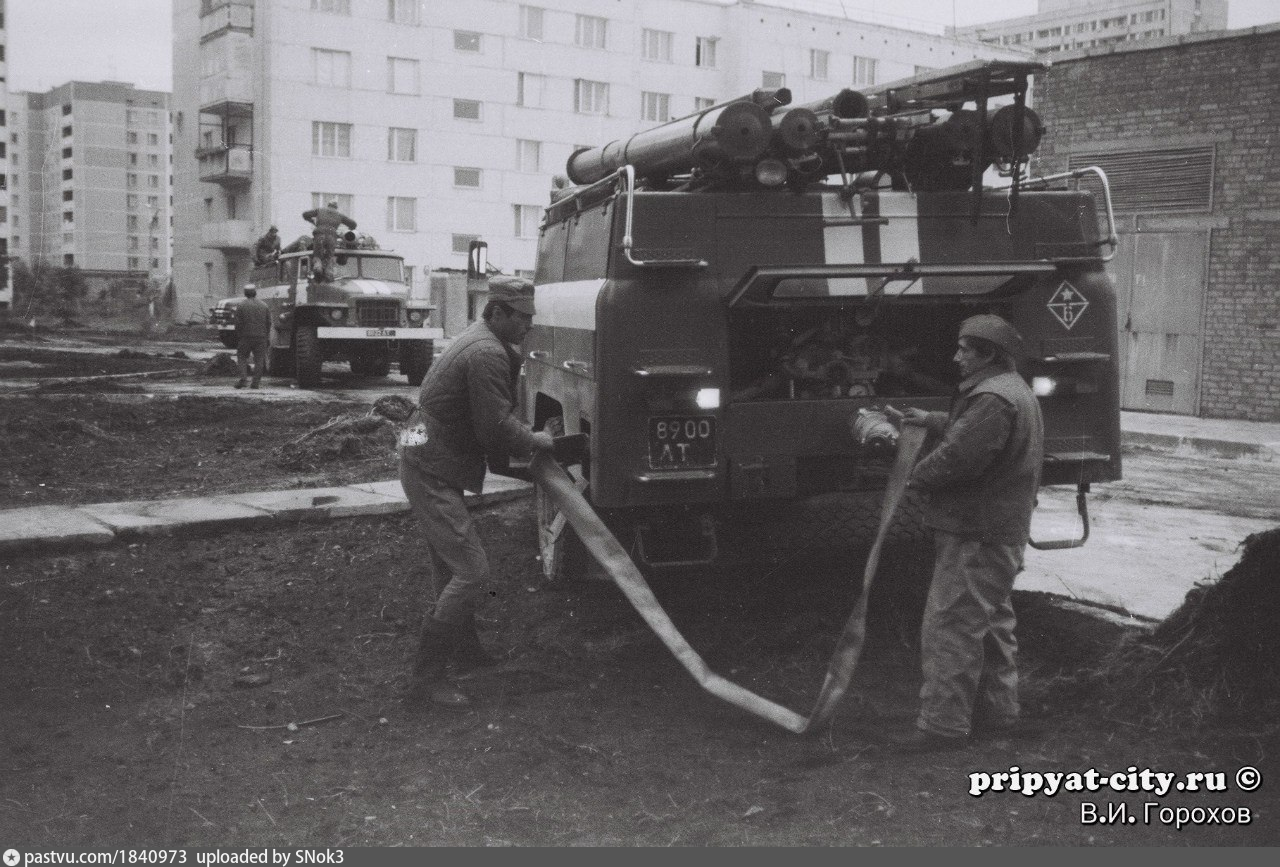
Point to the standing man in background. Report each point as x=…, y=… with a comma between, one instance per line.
x=253, y=334
x=466, y=410
x=324, y=246
x=981, y=481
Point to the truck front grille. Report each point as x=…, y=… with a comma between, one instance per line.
x=377, y=314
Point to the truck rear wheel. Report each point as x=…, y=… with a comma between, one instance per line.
x=415, y=359
x=306, y=356
x=565, y=559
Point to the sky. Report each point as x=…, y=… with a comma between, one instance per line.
x=51, y=42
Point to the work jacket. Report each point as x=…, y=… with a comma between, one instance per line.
x=982, y=477
x=328, y=219
x=253, y=320
x=468, y=404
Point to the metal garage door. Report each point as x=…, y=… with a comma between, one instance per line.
x=1160, y=282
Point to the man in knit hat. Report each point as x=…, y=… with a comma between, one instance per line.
x=981, y=481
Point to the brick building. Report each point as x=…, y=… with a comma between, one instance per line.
x=1188, y=130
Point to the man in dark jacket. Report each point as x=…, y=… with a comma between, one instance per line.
x=981, y=481
x=328, y=220
x=466, y=410
x=253, y=333
x=267, y=250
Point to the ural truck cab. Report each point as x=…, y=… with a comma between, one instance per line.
x=365, y=316
x=722, y=297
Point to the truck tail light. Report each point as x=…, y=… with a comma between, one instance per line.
x=707, y=398
x=1061, y=386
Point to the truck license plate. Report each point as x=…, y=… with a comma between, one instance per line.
x=682, y=441
x=379, y=332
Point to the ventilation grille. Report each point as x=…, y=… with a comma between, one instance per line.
x=1159, y=388
x=1168, y=180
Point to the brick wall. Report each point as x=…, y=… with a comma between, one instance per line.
x=1219, y=89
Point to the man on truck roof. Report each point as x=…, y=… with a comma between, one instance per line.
x=981, y=481
x=327, y=221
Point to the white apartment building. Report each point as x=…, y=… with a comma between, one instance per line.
x=1064, y=25
x=433, y=122
x=90, y=183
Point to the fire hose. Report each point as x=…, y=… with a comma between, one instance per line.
x=559, y=486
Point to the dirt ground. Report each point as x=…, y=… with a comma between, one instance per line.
x=243, y=689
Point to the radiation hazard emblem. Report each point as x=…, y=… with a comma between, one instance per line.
x=1067, y=304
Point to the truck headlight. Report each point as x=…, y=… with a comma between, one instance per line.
x=337, y=314
x=415, y=316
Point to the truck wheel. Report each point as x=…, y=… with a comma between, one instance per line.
x=306, y=356
x=279, y=361
x=415, y=359
x=228, y=339
x=565, y=560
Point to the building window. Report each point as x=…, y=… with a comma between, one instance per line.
x=66, y=153
x=818, y=60
x=131, y=201
x=66, y=174
x=131, y=180
x=402, y=145
x=337, y=7
x=530, y=89
x=344, y=200
x=331, y=68
x=402, y=75
x=133, y=243
x=528, y=218
x=134, y=263
x=68, y=259
x=704, y=52
x=466, y=177
x=131, y=138
x=401, y=214
x=153, y=201
x=68, y=217
x=155, y=263
x=133, y=159
x=590, y=31
x=402, y=11
x=153, y=139
x=590, y=97
x=66, y=109
x=330, y=139
x=66, y=132
x=153, y=160
x=462, y=243
x=466, y=40
x=528, y=155
x=773, y=80
x=132, y=223
x=466, y=109
x=153, y=181
x=864, y=71
x=656, y=45
x=702, y=103
x=530, y=25
x=921, y=70
x=655, y=107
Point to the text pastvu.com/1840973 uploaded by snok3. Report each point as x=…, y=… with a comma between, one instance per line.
x=1133, y=779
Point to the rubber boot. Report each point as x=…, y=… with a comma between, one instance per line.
x=429, y=684
x=469, y=652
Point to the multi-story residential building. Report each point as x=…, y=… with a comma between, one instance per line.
x=433, y=123
x=1064, y=25
x=91, y=181
x=6, y=215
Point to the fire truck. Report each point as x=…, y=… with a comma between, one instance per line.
x=365, y=315
x=718, y=297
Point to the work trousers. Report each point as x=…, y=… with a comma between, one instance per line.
x=324, y=243
x=257, y=347
x=968, y=650
x=459, y=566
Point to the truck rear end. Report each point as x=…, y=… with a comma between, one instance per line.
x=717, y=341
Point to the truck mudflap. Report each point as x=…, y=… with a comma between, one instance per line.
x=622, y=570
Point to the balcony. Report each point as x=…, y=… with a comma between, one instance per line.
x=220, y=16
x=229, y=165
x=229, y=236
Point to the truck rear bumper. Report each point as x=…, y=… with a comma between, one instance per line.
x=337, y=333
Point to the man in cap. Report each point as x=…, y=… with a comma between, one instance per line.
x=466, y=411
x=981, y=481
x=253, y=335
x=327, y=221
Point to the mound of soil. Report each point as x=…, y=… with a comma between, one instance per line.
x=1215, y=659
x=350, y=436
